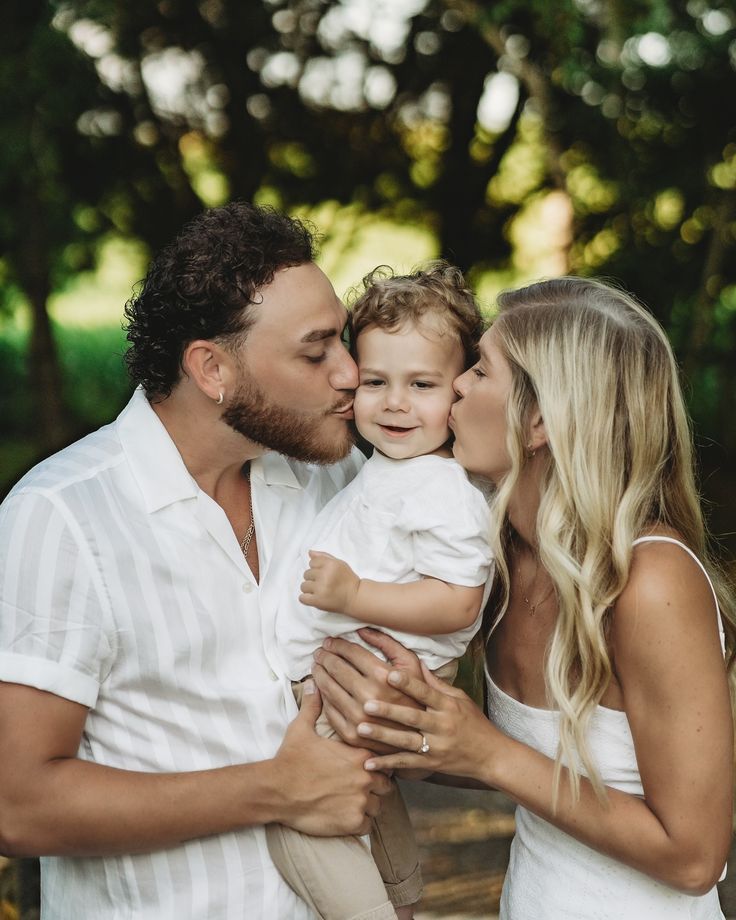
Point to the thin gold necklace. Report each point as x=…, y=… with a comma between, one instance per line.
x=532, y=608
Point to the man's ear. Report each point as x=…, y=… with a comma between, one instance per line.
x=537, y=431
x=209, y=367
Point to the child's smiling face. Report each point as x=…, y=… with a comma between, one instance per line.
x=403, y=400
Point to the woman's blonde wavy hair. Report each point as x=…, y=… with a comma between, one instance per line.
x=620, y=461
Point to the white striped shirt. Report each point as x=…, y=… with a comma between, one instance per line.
x=123, y=588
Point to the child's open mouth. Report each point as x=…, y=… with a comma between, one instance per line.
x=395, y=430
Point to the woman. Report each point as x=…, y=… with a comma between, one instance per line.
x=608, y=702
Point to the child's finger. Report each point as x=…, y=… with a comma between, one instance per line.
x=318, y=554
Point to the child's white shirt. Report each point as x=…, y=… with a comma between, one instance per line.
x=397, y=521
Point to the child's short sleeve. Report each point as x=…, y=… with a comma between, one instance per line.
x=450, y=530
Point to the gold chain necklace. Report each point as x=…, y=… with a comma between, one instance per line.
x=245, y=542
x=532, y=608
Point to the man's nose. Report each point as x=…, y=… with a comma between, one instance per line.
x=344, y=375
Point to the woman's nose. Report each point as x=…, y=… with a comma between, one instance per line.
x=460, y=384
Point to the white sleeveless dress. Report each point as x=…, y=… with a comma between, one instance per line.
x=552, y=876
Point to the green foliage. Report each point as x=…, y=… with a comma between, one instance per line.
x=15, y=400
x=94, y=368
x=95, y=383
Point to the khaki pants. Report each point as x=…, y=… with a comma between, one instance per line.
x=341, y=878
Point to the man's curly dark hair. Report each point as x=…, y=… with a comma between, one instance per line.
x=199, y=286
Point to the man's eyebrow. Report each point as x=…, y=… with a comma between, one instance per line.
x=318, y=335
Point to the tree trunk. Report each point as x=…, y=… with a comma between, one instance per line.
x=460, y=191
x=44, y=371
x=537, y=85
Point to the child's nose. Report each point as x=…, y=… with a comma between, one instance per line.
x=396, y=400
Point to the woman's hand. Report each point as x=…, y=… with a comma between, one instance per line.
x=348, y=675
x=458, y=738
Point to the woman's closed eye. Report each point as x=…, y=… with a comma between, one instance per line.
x=316, y=359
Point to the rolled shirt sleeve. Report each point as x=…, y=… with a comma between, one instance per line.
x=55, y=632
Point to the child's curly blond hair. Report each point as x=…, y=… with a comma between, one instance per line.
x=438, y=293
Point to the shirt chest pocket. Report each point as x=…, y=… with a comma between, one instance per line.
x=369, y=539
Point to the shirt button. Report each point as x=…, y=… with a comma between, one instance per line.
x=247, y=587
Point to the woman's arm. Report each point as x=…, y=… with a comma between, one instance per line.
x=670, y=666
x=429, y=607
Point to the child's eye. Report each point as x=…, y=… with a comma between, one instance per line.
x=423, y=385
x=345, y=335
x=371, y=383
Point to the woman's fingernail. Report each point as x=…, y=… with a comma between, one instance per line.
x=308, y=686
x=370, y=765
x=370, y=706
x=327, y=643
x=365, y=729
x=394, y=677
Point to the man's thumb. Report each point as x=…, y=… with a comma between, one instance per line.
x=311, y=702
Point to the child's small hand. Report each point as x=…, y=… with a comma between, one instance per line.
x=329, y=584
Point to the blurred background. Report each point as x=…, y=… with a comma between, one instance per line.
x=520, y=139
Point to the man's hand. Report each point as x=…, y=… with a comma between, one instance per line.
x=329, y=584
x=327, y=792
x=348, y=675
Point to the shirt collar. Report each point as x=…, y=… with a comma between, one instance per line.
x=158, y=467
x=275, y=470
x=155, y=462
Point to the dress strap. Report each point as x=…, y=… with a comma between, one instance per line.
x=656, y=538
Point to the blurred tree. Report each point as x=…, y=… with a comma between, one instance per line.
x=610, y=124
x=41, y=75
x=67, y=178
x=605, y=131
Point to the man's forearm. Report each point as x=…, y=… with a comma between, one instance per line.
x=84, y=809
x=52, y=803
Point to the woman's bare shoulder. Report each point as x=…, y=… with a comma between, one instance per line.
x=667, y=600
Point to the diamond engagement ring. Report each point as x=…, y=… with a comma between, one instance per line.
x=424, y=747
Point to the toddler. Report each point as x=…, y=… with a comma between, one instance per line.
x=404, y=547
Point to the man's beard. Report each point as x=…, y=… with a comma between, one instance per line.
x=295, y=434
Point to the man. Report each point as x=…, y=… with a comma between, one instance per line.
x=143, y=713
